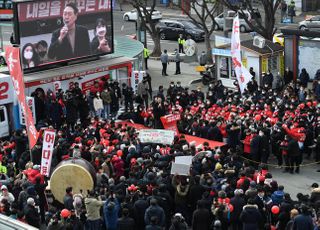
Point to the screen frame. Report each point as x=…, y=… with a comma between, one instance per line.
x=60, y=63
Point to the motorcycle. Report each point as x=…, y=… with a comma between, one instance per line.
x=208, y=76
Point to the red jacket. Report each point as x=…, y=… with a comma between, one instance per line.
x=247, y=142
x=297, y=134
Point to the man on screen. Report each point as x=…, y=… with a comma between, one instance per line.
x=71, y=40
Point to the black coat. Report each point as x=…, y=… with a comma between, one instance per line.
x=125, y=223
x=32, y=216
x=238, y=202
x=250, y=217
x=303, y=222
x=195, y=194
x=293, y=148
x=63, y=50
x=201, y=219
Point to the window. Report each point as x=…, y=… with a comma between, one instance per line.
x=273, y=64
x=2, y=115
x=224, y=67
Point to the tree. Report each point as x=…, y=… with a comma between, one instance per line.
x=265, y=29
x=144, y=13
x=205, y=12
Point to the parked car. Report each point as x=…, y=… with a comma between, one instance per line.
x=310, y=23
x=171, y=29
x=278, y=39
x=133, y=14
x=244, y=27
x=2, y=58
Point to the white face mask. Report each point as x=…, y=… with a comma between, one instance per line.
x=28, y=55
x=101, y=31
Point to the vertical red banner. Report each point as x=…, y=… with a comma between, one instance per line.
x=14, y=66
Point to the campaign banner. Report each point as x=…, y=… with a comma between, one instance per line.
x=170, y=122
x=47, y=150
x=30, y=104
x=52, y=9
x=158, y=136
x=136, y=77
x=242, y=73
x=14, y=66
x=6, y=96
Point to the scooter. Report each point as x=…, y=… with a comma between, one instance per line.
x=208, y=76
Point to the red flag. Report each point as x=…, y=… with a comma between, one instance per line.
x=14, y=66
x=170, y=122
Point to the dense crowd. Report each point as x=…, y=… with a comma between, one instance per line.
x=228, y=188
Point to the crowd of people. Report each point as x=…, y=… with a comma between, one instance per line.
x=228, y=188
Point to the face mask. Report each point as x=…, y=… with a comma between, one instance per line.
x=178, y=85
x=261, y=194
x=28, y=55
x=172, y=85
x=101, y=31
x=260, y=134
x=98, y=95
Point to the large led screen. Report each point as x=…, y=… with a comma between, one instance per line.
x=60, y=30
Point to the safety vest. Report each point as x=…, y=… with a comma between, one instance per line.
x=146, y=53
x=181, y=41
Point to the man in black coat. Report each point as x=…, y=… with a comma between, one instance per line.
x=31, y=213
x=139, y=209
x=126, y=222
x=238, y=202
x=195, y=192
x=71, y=40
x=201, y=219
x=293, y=155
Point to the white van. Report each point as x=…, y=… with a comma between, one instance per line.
x=4, y=122
x=244, y=27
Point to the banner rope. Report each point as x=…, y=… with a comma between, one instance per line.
x=275, y=165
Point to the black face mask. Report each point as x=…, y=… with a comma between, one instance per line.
x=42, y=53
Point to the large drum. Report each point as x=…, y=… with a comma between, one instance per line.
x=74, y=172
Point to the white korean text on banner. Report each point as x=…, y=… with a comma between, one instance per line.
x=30, y=104
x=159, y=136
x=243, y=75
x=136, y=77
x=47, y=150
x=14, y=66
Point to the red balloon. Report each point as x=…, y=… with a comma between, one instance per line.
x=119, y=153
x=230, y=207
x=257, y=117
x=275, y=209
x=65, y=213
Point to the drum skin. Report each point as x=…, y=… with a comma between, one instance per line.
x=74, y=172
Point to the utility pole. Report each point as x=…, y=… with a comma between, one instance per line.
x=225, y=24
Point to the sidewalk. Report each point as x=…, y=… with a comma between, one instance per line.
x=188, y=74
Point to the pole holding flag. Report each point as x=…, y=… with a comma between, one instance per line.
x=14, y=66
x=242, y=74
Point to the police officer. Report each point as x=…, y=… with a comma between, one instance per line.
x=146, y=55
x=181, y=42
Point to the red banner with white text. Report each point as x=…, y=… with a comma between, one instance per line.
x=14, y=66
x=170, y=122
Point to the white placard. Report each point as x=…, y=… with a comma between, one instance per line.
x=159, y=136
x=180, y=169
x=47, y=150
x=30, y=103
x=186, y=160
x=136, y=77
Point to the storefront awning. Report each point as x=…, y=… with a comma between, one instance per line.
x=77, y=69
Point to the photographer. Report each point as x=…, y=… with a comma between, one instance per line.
x=93, y=206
